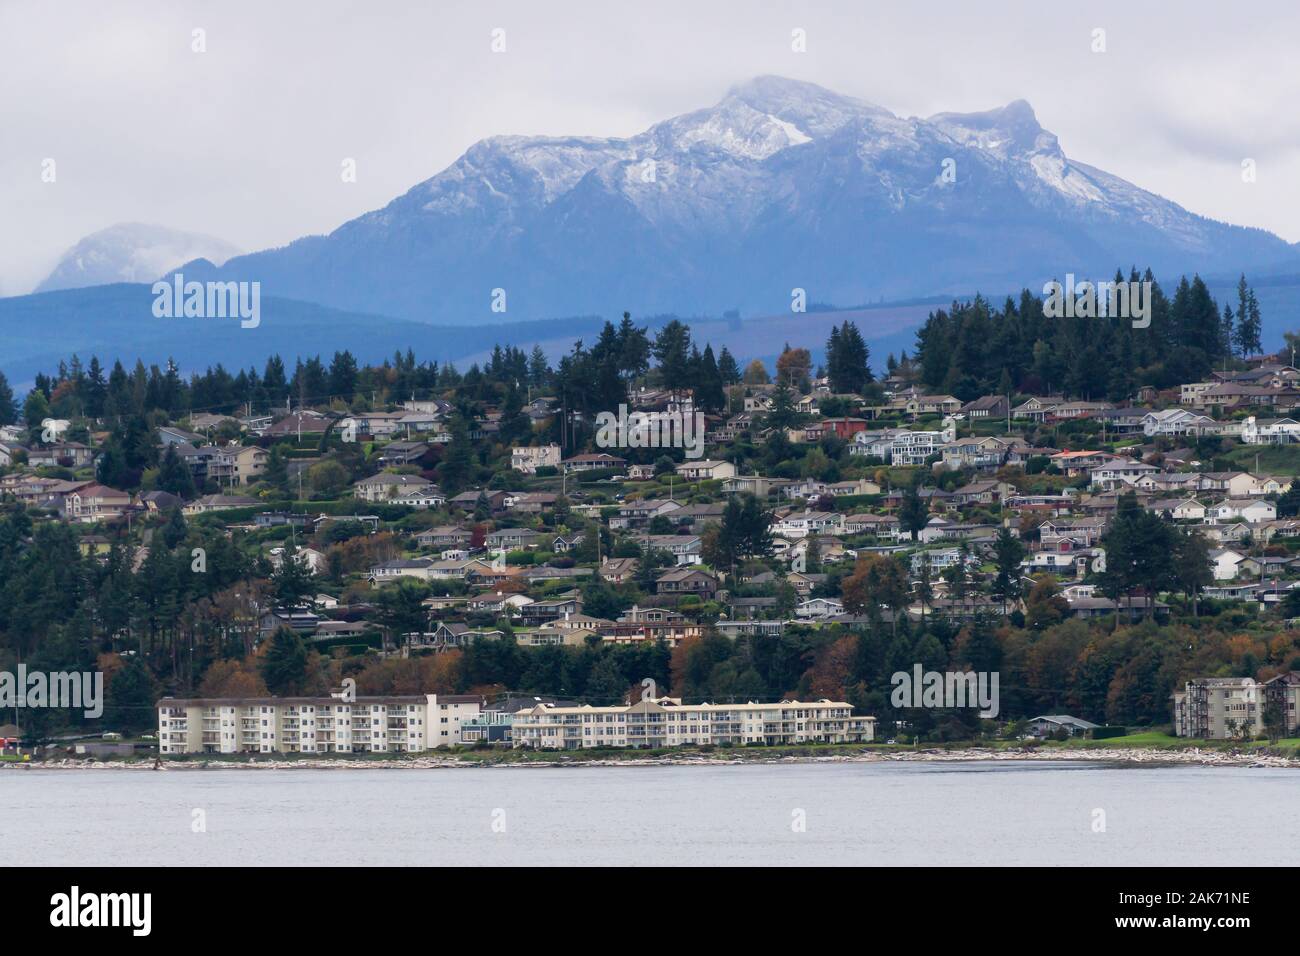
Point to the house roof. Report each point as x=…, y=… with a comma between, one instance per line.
x=393, y=478
x=1067, y=720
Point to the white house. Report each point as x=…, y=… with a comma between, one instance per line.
x=1250, y=510
x=901, y=446
x=819, y=607
x=309, y=558
x=1225, y=562
x=1175, y=421
x=803, y=523
x=942, y=559
x=424, y=497
x=1270, y=431
x=1119, y=472
x=1180, y=509
x=686, y=548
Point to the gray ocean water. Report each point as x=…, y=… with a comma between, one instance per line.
x=980, y=814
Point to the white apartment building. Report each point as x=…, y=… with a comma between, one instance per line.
x=667, y=722
x=313, y=725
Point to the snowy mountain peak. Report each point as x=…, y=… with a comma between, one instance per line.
x=131, y=252
x=734, y=128
x=814, y=109
x=1008, y=131
x=780, y=184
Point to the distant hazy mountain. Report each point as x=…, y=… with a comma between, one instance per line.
x=116, y=322
x=781, y=185
x=131, y=252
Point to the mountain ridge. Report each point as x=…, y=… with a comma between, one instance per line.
x=780, y=185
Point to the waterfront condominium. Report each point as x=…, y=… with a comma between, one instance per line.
x=313, y=725
x=667, y=722
x=1221, y=708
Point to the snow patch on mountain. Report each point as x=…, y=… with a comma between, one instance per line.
x=780, y=184
x=132, y=252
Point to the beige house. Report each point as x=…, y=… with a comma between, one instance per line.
x=933, y=405
x=529, y=458
x=218, y=503
x=95, y=502
x=238, y=464
x=388, y=486
x=706, y=470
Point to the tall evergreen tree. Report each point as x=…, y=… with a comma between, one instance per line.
x=672, y=350
x=913, y=512
x=847, y=359
x=728, y=368
x=1008, y=552
x=174, y=476
x=8, y=407
x=709, y=393
x=284, y=663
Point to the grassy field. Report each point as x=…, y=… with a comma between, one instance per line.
x=1273, y=459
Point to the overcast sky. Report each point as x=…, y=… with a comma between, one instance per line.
x=245, y=141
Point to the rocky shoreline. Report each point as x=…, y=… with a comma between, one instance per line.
x=1124, y=756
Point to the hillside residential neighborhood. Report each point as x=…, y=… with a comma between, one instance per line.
x=592, y=436
x=426, y=522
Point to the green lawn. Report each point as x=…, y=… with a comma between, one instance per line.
x=1156, y=740
x=1149, y=738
